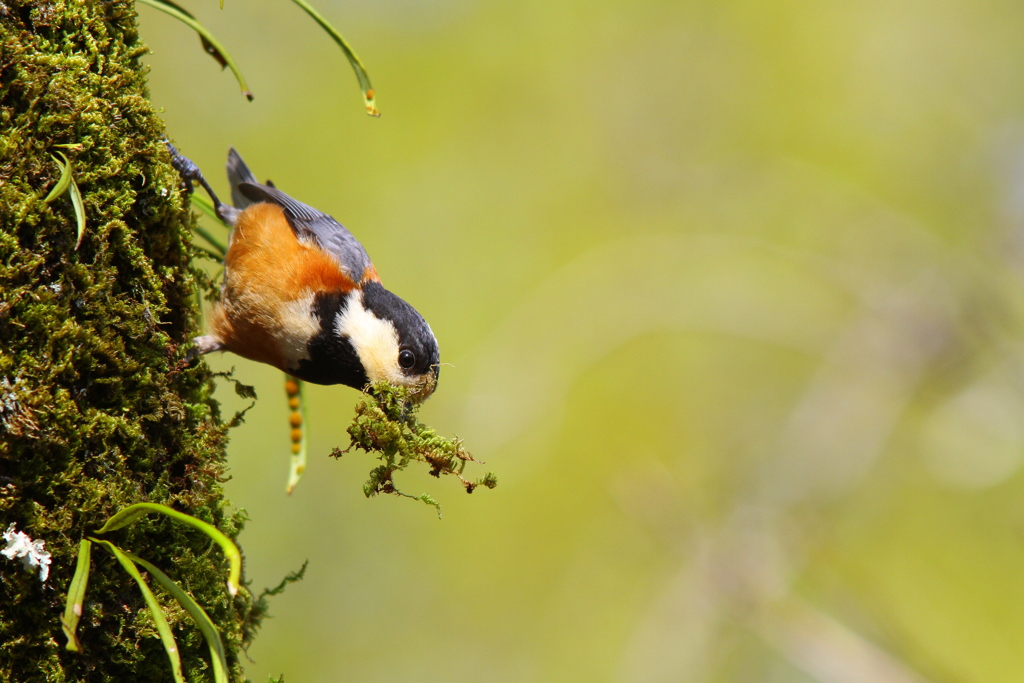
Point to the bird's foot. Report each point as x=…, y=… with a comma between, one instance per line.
x=186, y=167
x=190, y=173
x=204, y=345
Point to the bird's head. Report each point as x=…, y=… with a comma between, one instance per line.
x=391, y=339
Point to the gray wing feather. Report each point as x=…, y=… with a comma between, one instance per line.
x=306, y=221
x=238, y=173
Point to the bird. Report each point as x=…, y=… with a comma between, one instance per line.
x=300, y=293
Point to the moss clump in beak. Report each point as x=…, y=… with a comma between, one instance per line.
x=385, y=423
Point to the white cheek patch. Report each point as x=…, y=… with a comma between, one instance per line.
x=298, y=326
x=375, y=341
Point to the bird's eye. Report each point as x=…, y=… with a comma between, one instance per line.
x=406, y=359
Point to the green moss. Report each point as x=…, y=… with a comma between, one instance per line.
x=385, y=423
x=97, y=408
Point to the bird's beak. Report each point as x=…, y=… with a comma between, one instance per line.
x=422, y=391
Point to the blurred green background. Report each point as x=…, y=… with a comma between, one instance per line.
x=731, y=294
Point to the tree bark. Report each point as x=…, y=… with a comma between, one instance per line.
x=98, y=408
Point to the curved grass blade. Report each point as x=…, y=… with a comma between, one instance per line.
x=298, y=460
x=63, y=182
x=76, y=596
x=67, y=179
x=206, y=206
x=357, y=65
x=208, y=47
x=134, y=512
x=186, y=18
x=219, y=249
x=123, y=518
x=76, y=201
x=162, y=627
x=209, y=253
x=198, y=614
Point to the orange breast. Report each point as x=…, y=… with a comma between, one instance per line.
x=270, y=278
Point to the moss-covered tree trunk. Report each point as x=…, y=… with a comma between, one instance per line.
x=98, y=409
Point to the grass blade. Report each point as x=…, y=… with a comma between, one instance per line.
x=134, y=512
x=206, y=206
x=209, y=253
x=162, y=627
x=198, y=614
x=297, y=403
x=76, y=200
x=123, y=518
x=76, y=596
x=211, y=44
x=217, y=245
x=63, y=182
x=67, y=179
x=208, y=47
x=357, y=65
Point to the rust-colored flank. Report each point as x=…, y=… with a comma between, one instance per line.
x=268, y=270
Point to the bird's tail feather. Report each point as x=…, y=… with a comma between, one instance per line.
x=238, y=172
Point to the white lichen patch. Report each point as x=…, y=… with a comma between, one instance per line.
x=21, y=545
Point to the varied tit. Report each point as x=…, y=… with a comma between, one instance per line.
x=301, y=294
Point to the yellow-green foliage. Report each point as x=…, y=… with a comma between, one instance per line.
x=385, y=423
x=98, y=410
